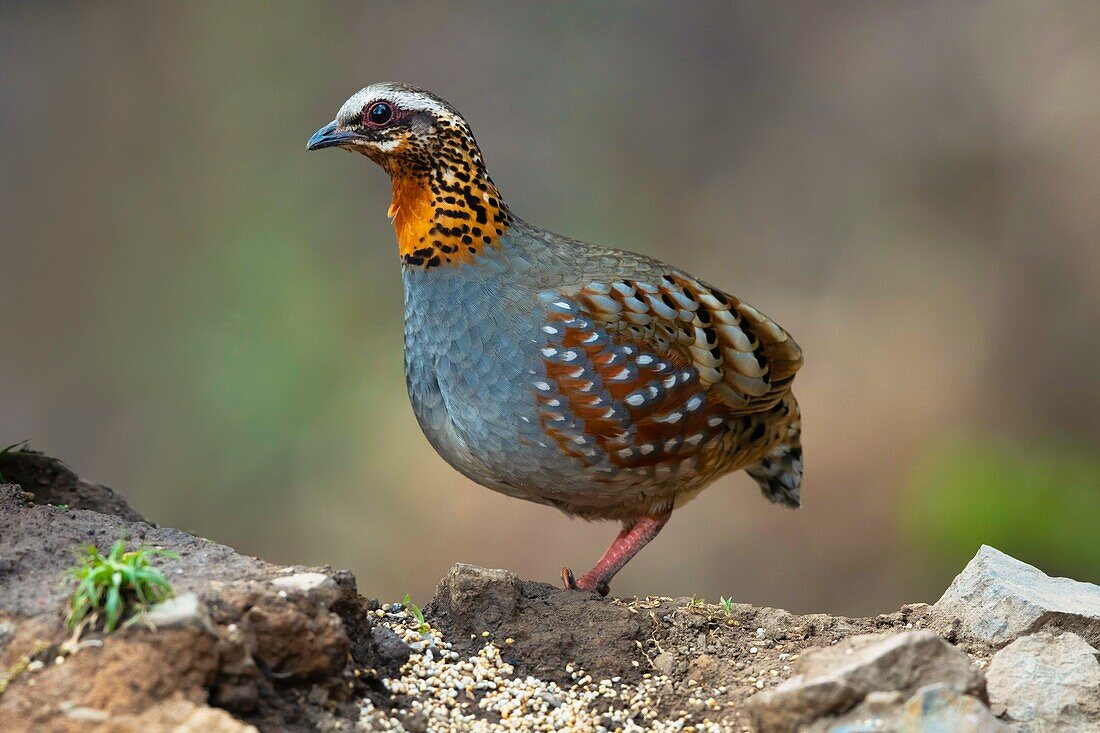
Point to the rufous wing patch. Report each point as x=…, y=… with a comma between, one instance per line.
x=649, y=374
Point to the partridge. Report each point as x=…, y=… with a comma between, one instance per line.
x=601, y=382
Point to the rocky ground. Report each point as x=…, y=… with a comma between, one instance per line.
x=247, y=645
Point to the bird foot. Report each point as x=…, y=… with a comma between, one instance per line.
x=584, y=584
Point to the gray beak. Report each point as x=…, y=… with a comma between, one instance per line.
x=329, y=137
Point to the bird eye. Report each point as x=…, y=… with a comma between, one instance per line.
x=380, y=113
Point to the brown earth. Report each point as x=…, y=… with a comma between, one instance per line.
x=299, y=649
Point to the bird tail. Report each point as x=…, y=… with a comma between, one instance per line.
x=780, y=472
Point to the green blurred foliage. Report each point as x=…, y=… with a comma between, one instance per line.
x=1039, y=503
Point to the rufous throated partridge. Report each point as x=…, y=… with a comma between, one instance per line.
x=598, y=381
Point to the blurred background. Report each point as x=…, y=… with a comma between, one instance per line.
x=202, y=315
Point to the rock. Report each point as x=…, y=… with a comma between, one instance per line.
x=933, y=709
x=178, y=716
x=182, y=611
x=315, y=586
x=7, y=631
x=295, y=640
x=664, y=663
x=1048, y=682
x=832, y=680
x=391, y=651
x=494, y=592
x=86, y=715
x=939, y=709
x=997, y=598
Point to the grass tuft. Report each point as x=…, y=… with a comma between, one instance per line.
x=414, y=609
x=115, y=586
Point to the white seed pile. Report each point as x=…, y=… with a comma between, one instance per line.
x=481, y=693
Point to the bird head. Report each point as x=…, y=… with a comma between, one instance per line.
x=401, y=128
x=445, y=208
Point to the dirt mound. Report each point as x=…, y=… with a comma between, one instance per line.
x=267, y=643
x=49, y=481
x=248, y=645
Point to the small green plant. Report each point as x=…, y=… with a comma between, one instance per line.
x=115, y=585
x=422, y=625
x=727, y=605
x=698, y=600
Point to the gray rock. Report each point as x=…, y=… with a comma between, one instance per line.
x=185, y=610
x=87, y=715
x=997, y=598
x=832, y=680
x=315, y=586
x=392, y=651
x=933, y=709
x=498, y=591
x=7, y=633
x=875, y=713
x=1048, y=682
x=664, y=663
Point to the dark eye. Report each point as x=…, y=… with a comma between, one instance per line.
x=380, y=113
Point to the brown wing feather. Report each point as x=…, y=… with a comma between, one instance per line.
x=742, y=357
x=655, y=370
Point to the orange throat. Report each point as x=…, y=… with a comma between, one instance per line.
x=441, y=220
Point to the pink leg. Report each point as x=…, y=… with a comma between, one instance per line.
x=632, y=538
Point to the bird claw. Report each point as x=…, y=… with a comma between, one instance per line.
x=568, y=580
x=570, y=583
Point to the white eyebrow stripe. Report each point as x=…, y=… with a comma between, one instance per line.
x=403, y=98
